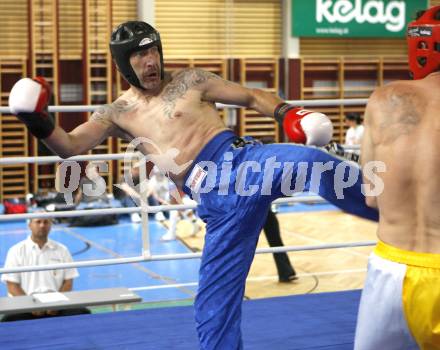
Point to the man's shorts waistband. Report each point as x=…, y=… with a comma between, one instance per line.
x=407, y=257
x=212, y=151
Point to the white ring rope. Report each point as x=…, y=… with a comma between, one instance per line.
x=159, y=257
x=304, y=103
x=164, y=286
x=130, y=210
x=56, y=159
x=90, y=157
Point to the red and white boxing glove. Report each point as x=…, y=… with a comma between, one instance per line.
x=28, y=101
x=304, y=126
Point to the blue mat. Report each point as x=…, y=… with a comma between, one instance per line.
x=314, y=321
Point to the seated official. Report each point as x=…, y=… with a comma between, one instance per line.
x=36, y=250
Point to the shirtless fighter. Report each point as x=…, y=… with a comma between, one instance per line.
x=234, y=180
x=400, y=304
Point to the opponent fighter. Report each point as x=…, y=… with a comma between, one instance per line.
x=400, y=304
x=233, y=179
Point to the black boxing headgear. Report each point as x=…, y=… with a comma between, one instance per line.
x=130, y=37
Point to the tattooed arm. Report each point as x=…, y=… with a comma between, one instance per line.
x=85, y=136
x=216, y=89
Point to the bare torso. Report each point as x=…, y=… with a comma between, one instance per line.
x=404, y=127
x=176, y=118
x=170, y=122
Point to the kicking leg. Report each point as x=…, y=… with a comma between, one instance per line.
x=229, y=249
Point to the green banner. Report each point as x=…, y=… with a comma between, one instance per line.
x=353, y=18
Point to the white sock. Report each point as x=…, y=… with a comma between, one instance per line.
x=174, y=218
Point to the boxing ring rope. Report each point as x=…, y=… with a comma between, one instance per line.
x=183, y=256
x=145, y=238
x=56, y=159
x=87, y=157
x=303, y=103
x=130, y=210
x=144, y=209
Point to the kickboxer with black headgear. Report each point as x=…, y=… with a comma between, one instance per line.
x=131, y=37
x=172, y=118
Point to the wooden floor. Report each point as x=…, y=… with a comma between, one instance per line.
x=319, y=270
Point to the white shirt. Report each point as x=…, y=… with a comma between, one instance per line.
x=162, y=186
x=28, y=253
x=354, y=135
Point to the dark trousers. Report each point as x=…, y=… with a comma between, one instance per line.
x=272, y=232
x=29, y=316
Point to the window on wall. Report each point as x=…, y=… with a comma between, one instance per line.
x=71, y=93
x=215, y=28
x=14, y=28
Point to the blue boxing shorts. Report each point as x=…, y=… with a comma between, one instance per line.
x=234, y=181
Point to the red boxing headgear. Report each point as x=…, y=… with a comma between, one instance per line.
x=423, y=37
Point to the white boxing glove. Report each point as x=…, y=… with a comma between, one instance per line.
x=304, y=126
x=318, y=129
x=28, y=101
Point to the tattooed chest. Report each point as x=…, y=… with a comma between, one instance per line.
x=178, y=103
x=181, y=91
